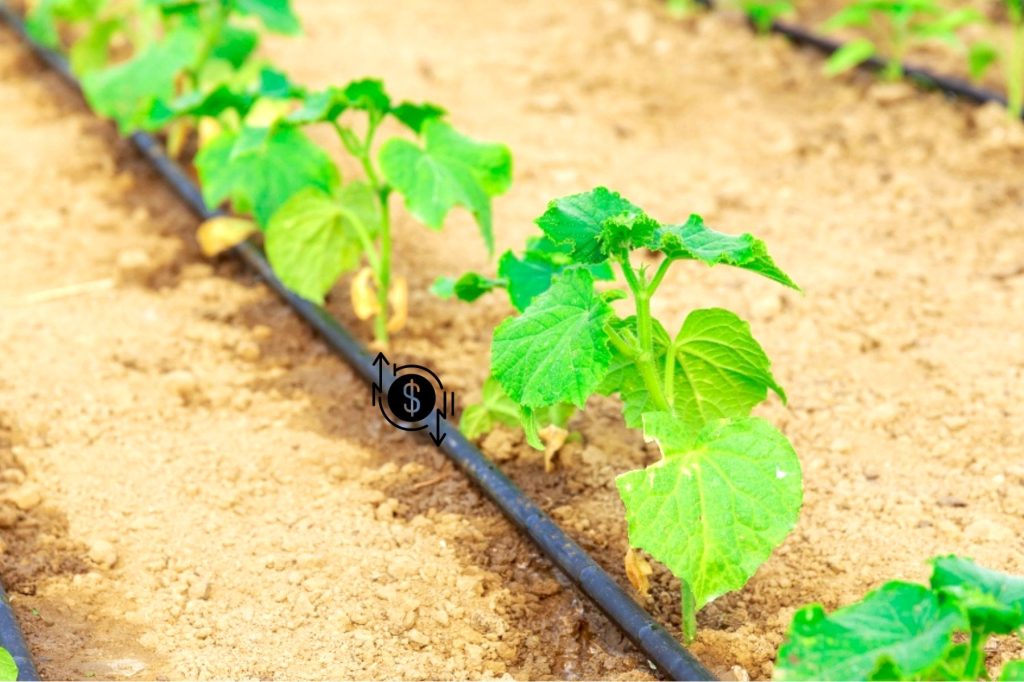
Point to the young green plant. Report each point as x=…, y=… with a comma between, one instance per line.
x=728, y=488
x=318, y=227
x=899, y=24
x=907, y=631
x=983, y=55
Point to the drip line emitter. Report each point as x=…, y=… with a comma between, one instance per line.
x=652, y=639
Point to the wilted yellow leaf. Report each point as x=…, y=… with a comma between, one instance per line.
x=637, y=570
x=364, y=295
x=553, y=438
x=221, y=233
x=177, y=136
x=209, y=128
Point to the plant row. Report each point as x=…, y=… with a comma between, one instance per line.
x=889, y=29
x=727, y=489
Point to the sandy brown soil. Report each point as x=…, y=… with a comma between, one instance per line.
x=185, y=425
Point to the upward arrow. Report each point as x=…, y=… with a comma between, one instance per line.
x=378, y=386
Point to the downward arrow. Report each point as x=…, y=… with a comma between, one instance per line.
x=437, y=436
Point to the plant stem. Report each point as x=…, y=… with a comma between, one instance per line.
x=383, y=272
x=645, y=361
x=975, y=665
x=624, y=347
x=380, y=261
x=212, y=36
x=1015, y=70
x=659, y=275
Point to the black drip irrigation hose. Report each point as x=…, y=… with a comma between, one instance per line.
x=925, y=78
x=12, y=640
x=650, y=637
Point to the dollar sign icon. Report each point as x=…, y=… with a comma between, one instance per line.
x=411, y=397
x=412, y=405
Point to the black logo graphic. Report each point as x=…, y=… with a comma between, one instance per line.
x=413, y=399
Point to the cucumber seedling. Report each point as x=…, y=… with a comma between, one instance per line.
x=900, y=24
x=985, y=54
x=318, y=227
x=907, y=631
x=727, y=489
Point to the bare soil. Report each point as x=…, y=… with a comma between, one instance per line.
x=196, y=488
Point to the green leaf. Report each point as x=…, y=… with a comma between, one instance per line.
x=450, y=170
x=718, y=503
x=557, y=350
x=276, y=15
x=127, y=91
x=531, y=275
x=899, y=631
x=695, y=241
x=721, y=371
x=316, y=107
x=623, y=233
x=311, y=240
x=368, y=94
x=91, y=52
x=577, y=222
x=8, y=666
x=849, y=56
x=413, y=116
x=994, y=600
x=261, y=181
x=235, y=45
x=980, y=57
x=853, y=15
x=41, y=21
x=1013, y=671
x=494, y=408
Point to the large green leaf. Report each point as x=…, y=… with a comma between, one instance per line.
x=557, y=350
x=695, y=241
x=578, y=221
x=449, y=170
x=717, y=504
x=311, y=239
x=720, y=371
x=126, y=92
x=994, y=600
x=899, y=631
x=265, y=175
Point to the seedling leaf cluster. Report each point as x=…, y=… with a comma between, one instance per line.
x=190, y=69
x=728, y=488
x=907, y=631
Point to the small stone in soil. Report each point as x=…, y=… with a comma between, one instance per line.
x=103, y=553
x=25, y=498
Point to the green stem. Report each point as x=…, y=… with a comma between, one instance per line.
x=1015, y=71
x=645, y=361
x=383, y=272
x=659, y=275
x=212, y=37
x=670, y=374
x=380, y=261
x=624, y=347
x=975, y=666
